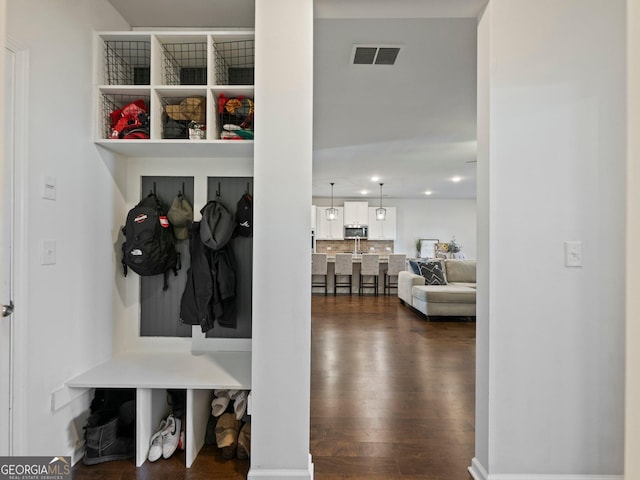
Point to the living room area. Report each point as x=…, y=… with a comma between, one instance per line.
x=392, y=385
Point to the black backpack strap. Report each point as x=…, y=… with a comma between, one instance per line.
x=124, y=264
x=165, y=285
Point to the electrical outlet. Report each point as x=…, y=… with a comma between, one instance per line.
x=48, y=252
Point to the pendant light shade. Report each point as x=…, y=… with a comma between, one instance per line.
x=381, y=213
x=332, y=213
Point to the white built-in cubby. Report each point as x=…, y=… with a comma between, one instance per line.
x=163, y=69
x=152, y=373
x=152, y=364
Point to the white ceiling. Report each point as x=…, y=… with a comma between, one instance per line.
x=412, y=124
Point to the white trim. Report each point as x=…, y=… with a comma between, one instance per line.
x=20, y=355
x=477, y=471
x=267, y=474
x=279, y=474
x=65, y=395
x=508, y=476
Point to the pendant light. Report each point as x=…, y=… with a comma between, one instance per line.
x=332, y=213
x=381, y=213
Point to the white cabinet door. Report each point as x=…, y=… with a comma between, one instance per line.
x=313, y=218
x=382, y=229
x=329, y=229
x=356, y=213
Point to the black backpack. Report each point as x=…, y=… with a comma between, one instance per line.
x=149, y=246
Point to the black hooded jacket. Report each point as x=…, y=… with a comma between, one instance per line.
x=210, y=292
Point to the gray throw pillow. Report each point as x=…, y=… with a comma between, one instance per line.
x=433, y=272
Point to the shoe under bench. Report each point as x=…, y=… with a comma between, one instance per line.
x=152, y=373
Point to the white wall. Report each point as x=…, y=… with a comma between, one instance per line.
x=424, y=218
x=556, y=172
x=281, y=354
x=484, y=243
x=69, y=313
x=632, y=417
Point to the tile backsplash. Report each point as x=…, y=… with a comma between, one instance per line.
x=331, y=247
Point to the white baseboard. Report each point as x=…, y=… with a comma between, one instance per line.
x=477, y=471
x=508, y=476
x=255, y=474
x=267, y=474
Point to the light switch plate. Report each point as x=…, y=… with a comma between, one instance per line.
x=573, y=254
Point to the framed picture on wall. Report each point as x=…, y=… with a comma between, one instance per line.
x=428, y=247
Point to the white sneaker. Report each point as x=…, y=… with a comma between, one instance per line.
x=155, y=445
x=170, y=436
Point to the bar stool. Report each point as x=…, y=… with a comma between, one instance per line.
x=343, y=268
x=370, y=267
x=319, y=269
x=396, y=265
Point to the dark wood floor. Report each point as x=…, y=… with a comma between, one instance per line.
x=392, y=398
x=392, y=395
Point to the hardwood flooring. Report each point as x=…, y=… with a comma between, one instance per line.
x=392, y=398
x=392, y=395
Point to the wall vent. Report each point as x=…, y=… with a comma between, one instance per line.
x=374, y=54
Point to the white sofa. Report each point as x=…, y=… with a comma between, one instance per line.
x=456, y=298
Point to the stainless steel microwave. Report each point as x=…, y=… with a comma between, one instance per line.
x=356, y=231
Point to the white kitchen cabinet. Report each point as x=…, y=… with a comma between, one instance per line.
x=314, y=219
x=382, y=229
x=356, y=213
x=329, y=229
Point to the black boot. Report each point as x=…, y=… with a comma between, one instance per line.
x=177, y=400
x=102, y=441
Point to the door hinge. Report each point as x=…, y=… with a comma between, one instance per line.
x=7, y=309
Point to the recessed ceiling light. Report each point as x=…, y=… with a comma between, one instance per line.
x=375, y=179
x=456, y=179
x=364, y=192
x=428, y=192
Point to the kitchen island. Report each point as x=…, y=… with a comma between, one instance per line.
x=357, y=259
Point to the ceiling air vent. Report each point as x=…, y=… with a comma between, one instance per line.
x=374, y=54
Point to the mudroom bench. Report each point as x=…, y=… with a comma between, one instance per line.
x=152, y=373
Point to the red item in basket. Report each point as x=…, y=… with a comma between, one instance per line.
x=133, y=116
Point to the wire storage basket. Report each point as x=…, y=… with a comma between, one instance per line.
x=234, y=62
x=235, y=118
x=127, y=62
x=125, y=116
x=184, y=117
x=185, y=63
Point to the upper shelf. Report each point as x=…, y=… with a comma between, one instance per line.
x=172, y=86
x=179, y=148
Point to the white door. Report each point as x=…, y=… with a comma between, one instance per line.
x=7, y=242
